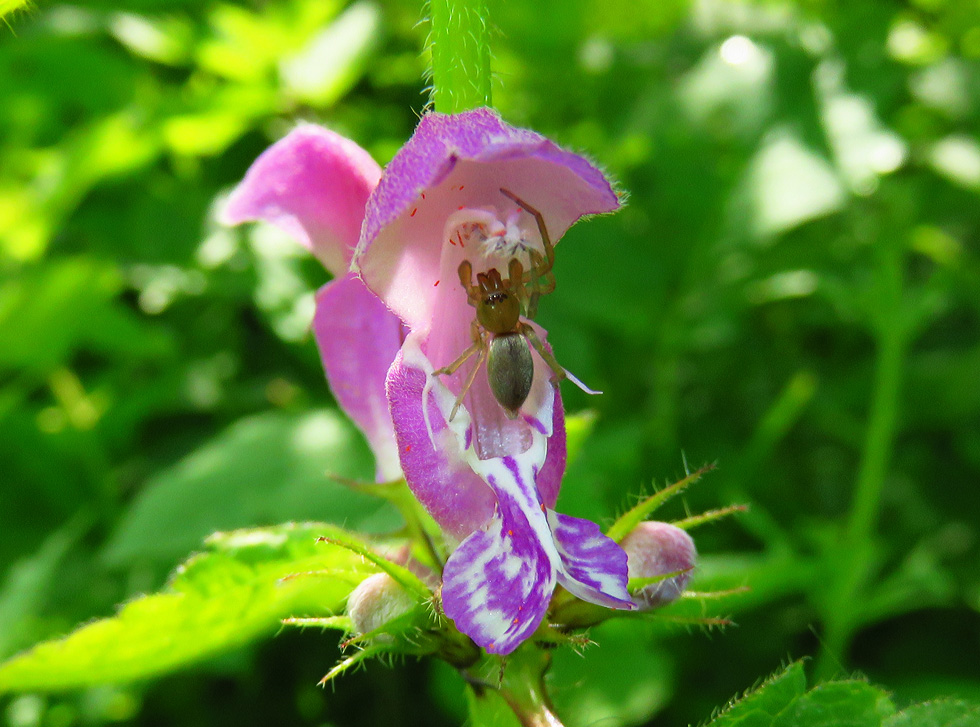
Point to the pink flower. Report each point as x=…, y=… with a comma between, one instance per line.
x=489, y=476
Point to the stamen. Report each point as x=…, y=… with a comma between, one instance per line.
x=498, y=236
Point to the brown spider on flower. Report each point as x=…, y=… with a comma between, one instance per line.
x=499, y=334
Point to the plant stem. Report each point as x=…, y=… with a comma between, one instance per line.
x=460, y=55
x=853, y=558
x=520, y=686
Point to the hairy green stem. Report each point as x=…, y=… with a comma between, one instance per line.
x=460, y=55
x=855, y=553
x=519, y=683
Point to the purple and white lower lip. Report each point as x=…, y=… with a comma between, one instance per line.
x=497, y=584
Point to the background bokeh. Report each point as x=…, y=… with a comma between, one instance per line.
x=793, y=292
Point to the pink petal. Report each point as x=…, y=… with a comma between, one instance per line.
x=440, y=459
x=456, y=161
x=358, y=339
x=313, y=184
x=431, y=455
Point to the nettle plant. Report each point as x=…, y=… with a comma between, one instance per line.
x=431, y=350
x=427, y=338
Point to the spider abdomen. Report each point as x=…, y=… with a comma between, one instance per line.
x=510, y=370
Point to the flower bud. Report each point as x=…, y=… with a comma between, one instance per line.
x=376, y=601
x=654, y=549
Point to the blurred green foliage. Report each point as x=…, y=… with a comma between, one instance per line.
x=793, y=291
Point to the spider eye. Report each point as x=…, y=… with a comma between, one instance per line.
x=495, y=298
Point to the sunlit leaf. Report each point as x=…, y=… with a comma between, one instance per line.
x=334, y=59
x=267, y=468
x=229, y=595
x=941, y=713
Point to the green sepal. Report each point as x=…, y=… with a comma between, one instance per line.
x=689, y=523
x=422, y=528
x=402, y=575
x=638, y=584
x=341, y=622
x=354, y=660
x=628, y=521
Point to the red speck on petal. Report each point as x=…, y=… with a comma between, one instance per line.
x=543, y=509
x=434, y=285
x=460, y=207
x=452, y=241
x=423, y=195
x=515, y=621
x=460, y=238
x=510, y=532
x=413, y=212
x=408, y=447
x=461, y=188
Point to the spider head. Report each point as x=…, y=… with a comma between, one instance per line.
x=498, y=309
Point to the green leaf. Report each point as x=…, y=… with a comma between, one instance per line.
x=335, y=58
x=941, y=713
x=759, y=707
x=21, y=594
x=263, y=469
x=578, y=427
x=34, y=307
x=8, y=6
x=782, y=702
x=230, y=595
x=838, y=704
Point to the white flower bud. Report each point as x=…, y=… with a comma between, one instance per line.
x=376, y=601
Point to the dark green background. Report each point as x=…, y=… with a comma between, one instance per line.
x=157, y=381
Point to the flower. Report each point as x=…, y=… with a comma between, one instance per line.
x=657, y=549
x=489, y=477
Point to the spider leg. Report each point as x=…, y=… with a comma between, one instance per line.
x=549, y=358
x=549, y=283
x=484, y=351
x=515, y=272
x=549, y=251
x=465, y=272
x=478, y=343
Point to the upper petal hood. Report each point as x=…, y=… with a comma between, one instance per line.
x=313, y=184
x=456, y=161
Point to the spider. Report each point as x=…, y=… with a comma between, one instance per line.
x=500, y=337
